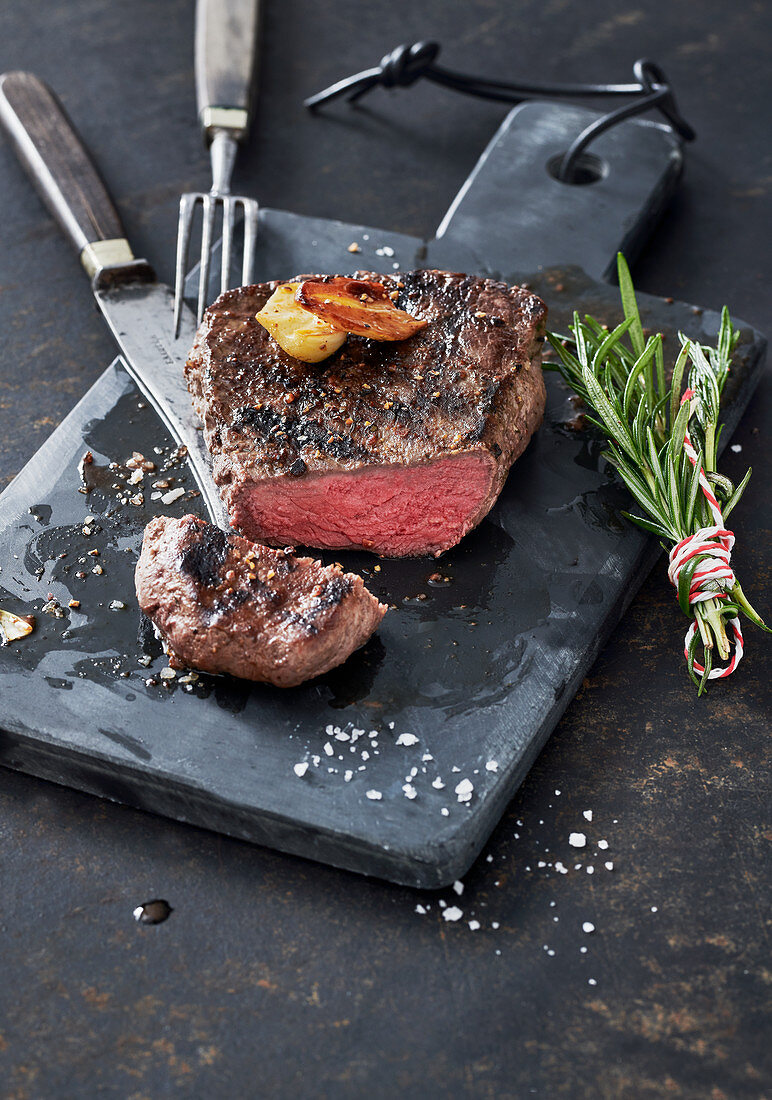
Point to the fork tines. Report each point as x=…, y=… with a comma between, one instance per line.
x=210, y=203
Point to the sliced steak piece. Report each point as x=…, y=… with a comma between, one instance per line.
x=400, y=448
x=223, y=604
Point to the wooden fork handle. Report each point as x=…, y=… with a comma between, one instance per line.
x=226, y=62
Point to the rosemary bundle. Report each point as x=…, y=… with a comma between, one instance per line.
x=663, y=444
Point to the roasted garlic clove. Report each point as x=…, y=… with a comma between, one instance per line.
x=297, y=331
x=13, y=627
x=356, y=306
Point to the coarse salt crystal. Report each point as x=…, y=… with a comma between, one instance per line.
x=445, y=811
x=407, y=739
x=458, y=886
x=328, y=749
x=654, y=909
x=577, y=840
x=603, y=845
x=588, y=926
x=301, y=769
x=492, y=766
x=590, y=870
x=736, y=447
x=341, y=735
x=172, y=495
x=591, y=981
x=117, y=605
x=409, y=789
x=495, y=924
x=427, y=756
x=437, y=784
x=609, y=866
x=473, y=925
x=560, y=868
x=587, y=815
x=167, y=673
x=464, y=790
x=374, y=796
x=420, y=909
x=452, y=913
x=348, y=777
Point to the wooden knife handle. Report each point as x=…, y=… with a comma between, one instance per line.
x=226, y=63
x=61, y=170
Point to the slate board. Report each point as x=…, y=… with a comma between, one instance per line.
x=475, y=665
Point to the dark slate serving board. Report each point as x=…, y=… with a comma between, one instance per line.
x=482, y=650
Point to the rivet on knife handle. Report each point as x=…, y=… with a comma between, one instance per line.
x=226, y=56
x=69, y=184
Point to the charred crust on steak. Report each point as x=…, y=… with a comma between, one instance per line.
x=204, y=557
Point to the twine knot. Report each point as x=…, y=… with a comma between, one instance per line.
x=406, y=64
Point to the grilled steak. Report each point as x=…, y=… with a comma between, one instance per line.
x=223, y=604
x=397, y=447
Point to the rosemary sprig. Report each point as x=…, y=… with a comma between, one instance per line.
x=663, y=443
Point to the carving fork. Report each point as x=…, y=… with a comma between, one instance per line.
x=225, y=56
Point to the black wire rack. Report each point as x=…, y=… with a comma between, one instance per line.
x=409, y=63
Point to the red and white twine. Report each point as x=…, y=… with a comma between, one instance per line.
x=714, y=575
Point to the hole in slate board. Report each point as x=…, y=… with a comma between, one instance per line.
x=587, y=169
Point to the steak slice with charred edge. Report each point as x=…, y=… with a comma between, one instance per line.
x=396, y=447
x=224, y=604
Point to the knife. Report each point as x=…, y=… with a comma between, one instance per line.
x=136, y=306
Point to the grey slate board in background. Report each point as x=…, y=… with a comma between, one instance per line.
x=480, y=670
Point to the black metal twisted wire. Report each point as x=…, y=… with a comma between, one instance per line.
x=408, y=63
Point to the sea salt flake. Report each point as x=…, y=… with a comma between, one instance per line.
x=407, y=739
x=341, y=735
x=375, y=796
x=577, y=840
x=452, y=913
x=117, y=605
x=492, y=766
x=437, y=784
x=172, y=495
x=301, y=768
x=464, y=790
x=458, y=886
x=427, y=756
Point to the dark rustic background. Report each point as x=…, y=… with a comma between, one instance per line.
x=276, y=977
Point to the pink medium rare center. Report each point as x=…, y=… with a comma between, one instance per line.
x=400, y=510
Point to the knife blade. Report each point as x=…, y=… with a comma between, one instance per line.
x=137, y=307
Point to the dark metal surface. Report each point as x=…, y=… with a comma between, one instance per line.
x=278, y=976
